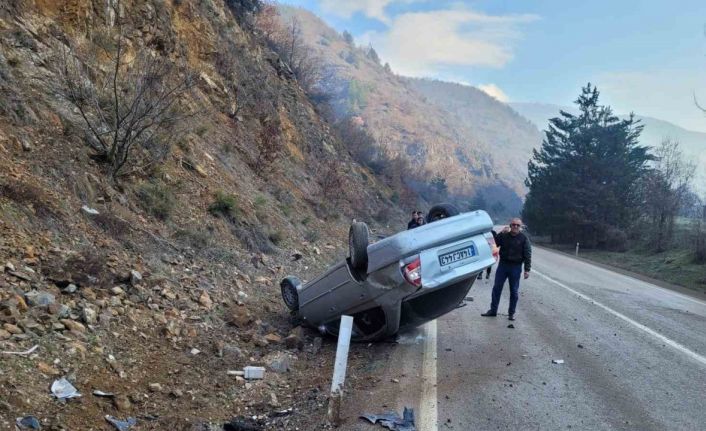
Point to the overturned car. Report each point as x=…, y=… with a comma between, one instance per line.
x=399, y=282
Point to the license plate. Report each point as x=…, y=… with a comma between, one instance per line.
x=457, y=255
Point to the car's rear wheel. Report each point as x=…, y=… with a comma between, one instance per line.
x=440, y=211
x=358, y=246
x=290, y=295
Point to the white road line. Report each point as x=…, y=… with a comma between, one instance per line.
x=428, y=414
x=693, y=355
x=613, y=274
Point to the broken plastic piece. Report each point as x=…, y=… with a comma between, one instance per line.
x=103, y=394
x=121, y=425
x=28, y=423
x=62, y=389
x=392, y=421
x=557, y=361
x=89, y=210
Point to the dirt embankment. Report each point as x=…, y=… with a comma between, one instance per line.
x=151, y=287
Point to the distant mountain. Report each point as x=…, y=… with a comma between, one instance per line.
x=455, y=131
x=509, y=135
x=692, y=143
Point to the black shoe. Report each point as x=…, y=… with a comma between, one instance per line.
x=511, y=317
x=489, y=313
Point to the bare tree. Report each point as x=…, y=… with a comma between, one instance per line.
x=130, y=114
x=270, y=145
x=288, y=41
x=666, y=190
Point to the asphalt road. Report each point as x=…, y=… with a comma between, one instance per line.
x=634, y=358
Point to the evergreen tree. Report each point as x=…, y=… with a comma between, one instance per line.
x=583, y=180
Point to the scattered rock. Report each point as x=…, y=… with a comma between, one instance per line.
x=273, y=338
x=278, y=362
x=89, y=316
x=117, y=290
x=4, y=334
x=155, y=387
x=45, y=368
x=316, y=345
x=9, y=266
x=135, y=278
x=12, y=329
x=61, y=311
x=205, y=300
x=71, y=288
x=39, y=299
x=238, y=316
x=73, y=325
x=122, y=403
x=295, y=339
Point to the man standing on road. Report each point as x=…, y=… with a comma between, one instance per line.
x=515, y=250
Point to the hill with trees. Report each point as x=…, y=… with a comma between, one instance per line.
x=456, y=140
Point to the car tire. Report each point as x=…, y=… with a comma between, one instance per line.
x=439, y=211
x=358, y=246
x=290, y=294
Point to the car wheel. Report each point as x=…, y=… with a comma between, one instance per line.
x=358, y=246
x=290, y=295
x=437, y=212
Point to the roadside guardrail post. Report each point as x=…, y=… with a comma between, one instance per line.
x=339, y=369
x=577, y=249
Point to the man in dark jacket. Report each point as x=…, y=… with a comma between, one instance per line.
x=515, y=250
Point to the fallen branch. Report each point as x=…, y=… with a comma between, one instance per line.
x=25, y=353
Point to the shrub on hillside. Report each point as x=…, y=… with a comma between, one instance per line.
x=157, y=199
x=223, y=204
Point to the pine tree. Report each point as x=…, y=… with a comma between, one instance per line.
x=583, y=180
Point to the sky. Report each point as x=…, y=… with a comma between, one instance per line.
x=645, y=56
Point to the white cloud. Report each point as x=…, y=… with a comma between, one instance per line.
x=420, y=43
x=494, y=91
x=370, y=8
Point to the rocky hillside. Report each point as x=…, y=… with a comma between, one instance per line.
x=462, y=139
x=149, y=276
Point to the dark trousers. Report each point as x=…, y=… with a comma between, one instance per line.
x=512, y=273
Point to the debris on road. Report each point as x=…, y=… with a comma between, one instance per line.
x=557, y=361
x=250, y=373
x=392, y=421
x=103, y=394
x=511, y=326
x=62, y=389
x=121, y=425
x=28, y=423
x=461, y=305
x=468, y=298
x=580, y=346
